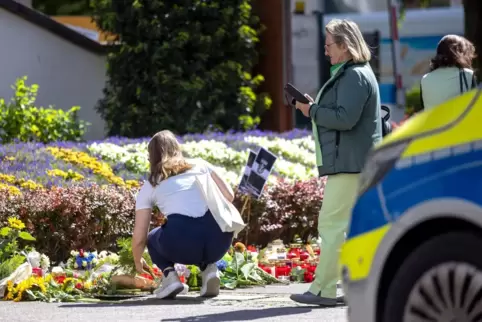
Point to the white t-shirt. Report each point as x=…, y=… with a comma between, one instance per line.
x=178, y=194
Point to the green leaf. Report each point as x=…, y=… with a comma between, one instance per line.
x=231, y=285
x=5, y=231
x=247, y=269
x=238, y=261
x=255, y=276
x=26, y=236
x=31, y=296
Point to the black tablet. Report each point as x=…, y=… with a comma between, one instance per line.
x=296, y=94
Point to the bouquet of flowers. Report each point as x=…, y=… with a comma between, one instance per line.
x=82, y=260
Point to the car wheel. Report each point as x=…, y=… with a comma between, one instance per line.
x=441, y=280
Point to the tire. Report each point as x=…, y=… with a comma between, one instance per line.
x=441, y=280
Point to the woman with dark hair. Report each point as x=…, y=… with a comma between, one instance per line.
x=190, y=235
x=451, y=72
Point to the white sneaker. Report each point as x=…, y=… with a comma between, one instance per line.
x=211, y=281
x=170, y=287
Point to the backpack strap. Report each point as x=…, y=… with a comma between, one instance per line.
x=464, y=84
x=474, y=81
x=421, y=98
x=461, y=72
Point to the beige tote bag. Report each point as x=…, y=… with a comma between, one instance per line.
x=224, y=212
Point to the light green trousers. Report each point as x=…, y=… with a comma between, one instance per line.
x=338, y=200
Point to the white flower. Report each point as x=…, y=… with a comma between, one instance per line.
x=86, y=254
x=57, y=270
x=84, y=263
x=296, y=157
x=74, y=253
x=44, y=262
x=75, y=265
x=103, y=254
x=34, y=258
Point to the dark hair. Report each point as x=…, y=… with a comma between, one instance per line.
x=453, y=51
x=165, y=157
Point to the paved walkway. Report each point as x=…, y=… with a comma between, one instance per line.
x=271, y=303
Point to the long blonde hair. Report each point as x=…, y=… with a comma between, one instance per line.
x=347, y=32
x=165, y=157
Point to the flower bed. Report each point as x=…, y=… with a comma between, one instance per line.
x=119, y=160
x=81, y=195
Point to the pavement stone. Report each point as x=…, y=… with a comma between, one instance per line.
x=270, y=303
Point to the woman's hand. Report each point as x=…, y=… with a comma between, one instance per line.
x=142, y=267
x=305, y=108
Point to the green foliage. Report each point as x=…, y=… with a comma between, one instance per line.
x=412, y=98
x=184, y=65
x=126, y=258
x=10, y=251
x=9, y=265
x=21, y=120
x=94, y=217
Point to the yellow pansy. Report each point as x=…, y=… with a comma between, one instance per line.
x=7, y=178
x=84, y=160
x=26, y=184
x=74, y=176
x=11, y=189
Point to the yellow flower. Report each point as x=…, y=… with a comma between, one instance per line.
x=16, y=223
x=84, y=160
x=11, y=189
x=33, y=282
x=7, y=178
x=29, y=184
x=10, y=290
x=133, y=183
x=48, y=278
x=87, y=285
x=74, y=176
x=26, y=184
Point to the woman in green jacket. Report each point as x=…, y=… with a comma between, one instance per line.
x=346, y=121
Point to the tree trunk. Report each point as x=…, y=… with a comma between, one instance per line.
x=473, y=29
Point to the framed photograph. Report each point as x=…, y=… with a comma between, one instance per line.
x=243, y=185
x=260, y=171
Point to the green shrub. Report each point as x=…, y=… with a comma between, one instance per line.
x=183, y=65
x=21, y=120
x=412, y=98
x=95, y=217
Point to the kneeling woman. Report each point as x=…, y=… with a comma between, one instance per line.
x=190, y=235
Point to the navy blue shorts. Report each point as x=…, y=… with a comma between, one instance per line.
x=187, y=240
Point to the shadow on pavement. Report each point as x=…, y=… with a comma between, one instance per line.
x=244, y=315
x=139, y=302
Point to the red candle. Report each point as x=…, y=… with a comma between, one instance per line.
x=304, y=255
x=308, y=277
x=292, y=255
